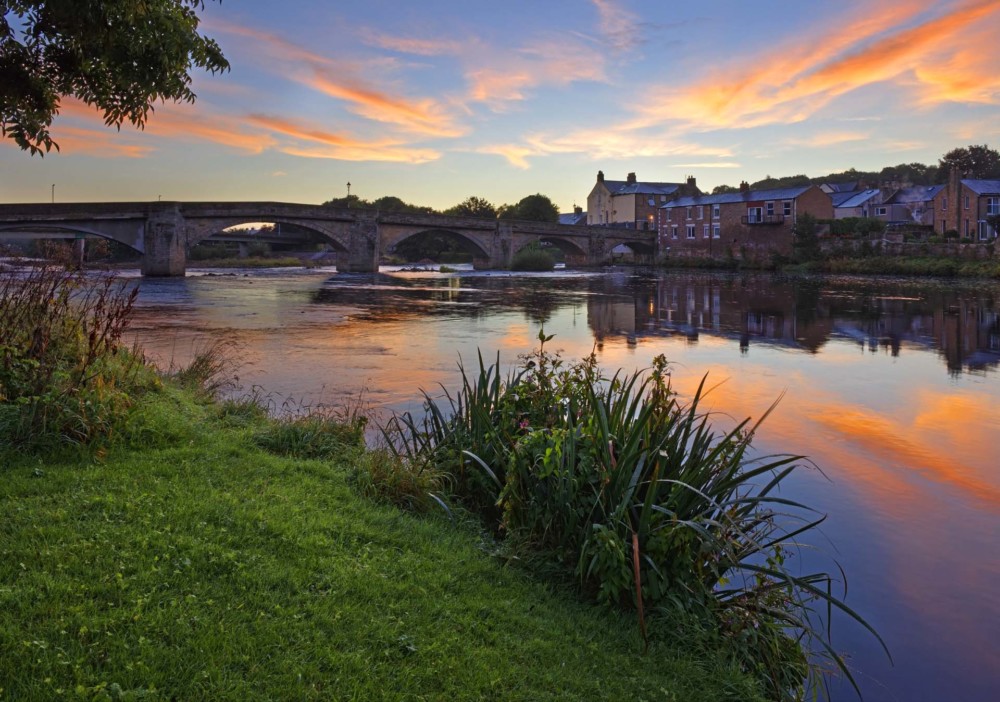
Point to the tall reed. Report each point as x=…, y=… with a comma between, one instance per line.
x=633, y=491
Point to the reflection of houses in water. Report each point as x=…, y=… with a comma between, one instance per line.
x=749, y=311
x=803, y=315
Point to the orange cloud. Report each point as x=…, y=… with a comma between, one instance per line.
x=342, y=80
x=410, y=45
x=340, y=147
x=798, y=80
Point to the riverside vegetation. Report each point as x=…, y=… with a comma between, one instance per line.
x=161, y=544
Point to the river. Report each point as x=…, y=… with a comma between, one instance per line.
x=889, y=385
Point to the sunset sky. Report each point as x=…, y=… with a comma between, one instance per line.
x=437, y=101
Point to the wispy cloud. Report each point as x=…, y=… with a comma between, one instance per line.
x=103, y=143
x=412, y=45
x=619, y=26
x=320, y=143
x=343, y=81
x=893, y=43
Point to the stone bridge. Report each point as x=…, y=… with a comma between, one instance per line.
x=164, y=231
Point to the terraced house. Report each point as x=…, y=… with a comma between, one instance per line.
x=632, y=203
x=966, y=205
x=749, y=224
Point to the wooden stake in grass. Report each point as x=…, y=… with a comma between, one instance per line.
x=638, y=590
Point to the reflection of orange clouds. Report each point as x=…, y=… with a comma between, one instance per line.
x=952, y=56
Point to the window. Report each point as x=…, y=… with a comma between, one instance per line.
x=770, y=209
x=716, y=232
x=663, y=198
x=880, y=211
x=715, y=212
x=690, y=231
x=966, y=202
x=754, y=215
x=701, y=212
x=993, y=205
x=705, y=232
x=944, y=204
x=786, y=207
x=651, y=202
x=984, y=230
x=689, y=212
x=673, y=232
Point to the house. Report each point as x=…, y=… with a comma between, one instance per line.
x=746, y=224
x=863, y=203
x=914, y=205
x=632, y=203
x=980, y=201
x=576, y=217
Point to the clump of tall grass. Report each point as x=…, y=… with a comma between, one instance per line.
x=532, y=258
x=315, y=432
x=65, y=378
x=632, y=490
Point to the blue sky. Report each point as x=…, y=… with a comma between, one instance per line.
x=437, y=101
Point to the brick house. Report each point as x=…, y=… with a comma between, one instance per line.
x=631, y=203
x=862, y=203
x=964, y=204
x=747, y=224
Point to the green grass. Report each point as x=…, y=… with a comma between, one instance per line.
x=199, y=566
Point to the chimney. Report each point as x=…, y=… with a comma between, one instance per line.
x=744, y=187
x=691, y=182
x=631, y=179
x=577, y=209
x=600, y=176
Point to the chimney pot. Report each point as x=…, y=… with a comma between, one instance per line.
x=631, y=178
x=744, y=187
x=600, y=176
x=577, y=209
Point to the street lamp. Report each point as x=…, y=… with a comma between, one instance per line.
x=53, y=193
x=348, y=193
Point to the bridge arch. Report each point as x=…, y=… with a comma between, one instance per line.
x=67, y=230
x=396, y=237
x=199, y=230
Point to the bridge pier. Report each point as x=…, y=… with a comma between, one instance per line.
x=165, y=242
x=364, y=245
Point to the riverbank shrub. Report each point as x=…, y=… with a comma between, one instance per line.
x=619, y=482
x=65, y=378
x=532, y=258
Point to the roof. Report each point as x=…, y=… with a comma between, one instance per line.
x=751, y=196
x=623, y=187
x=843, y=187
x=918, y=193
x=856, y=199
x=573, y=218
x=982, y=187
x=840, y=198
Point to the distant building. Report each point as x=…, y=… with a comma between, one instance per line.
x=863, y=203
x=574, y=218
x=965, y=204
x=913, y=205
x=632, y=203
x=749, y=223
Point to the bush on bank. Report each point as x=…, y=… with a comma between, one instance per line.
x=618, y=482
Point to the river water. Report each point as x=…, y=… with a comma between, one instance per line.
x=890, y=386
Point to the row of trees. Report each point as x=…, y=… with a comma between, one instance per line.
x=534, y=208
x=973, y=161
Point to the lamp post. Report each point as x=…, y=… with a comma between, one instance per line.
x=348, y=193
x=53, y=193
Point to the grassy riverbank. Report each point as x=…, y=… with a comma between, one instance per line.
x=190, y=563
x=870, y=265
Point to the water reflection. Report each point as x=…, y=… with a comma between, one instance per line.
x=911, y=481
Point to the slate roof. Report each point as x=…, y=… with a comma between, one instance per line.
x=918, y=193
x=752, y=196
x=623, y=187
x=843, y=187
x=573, y=218
x=840, y=198
x=982, y=187
x=856, y=199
